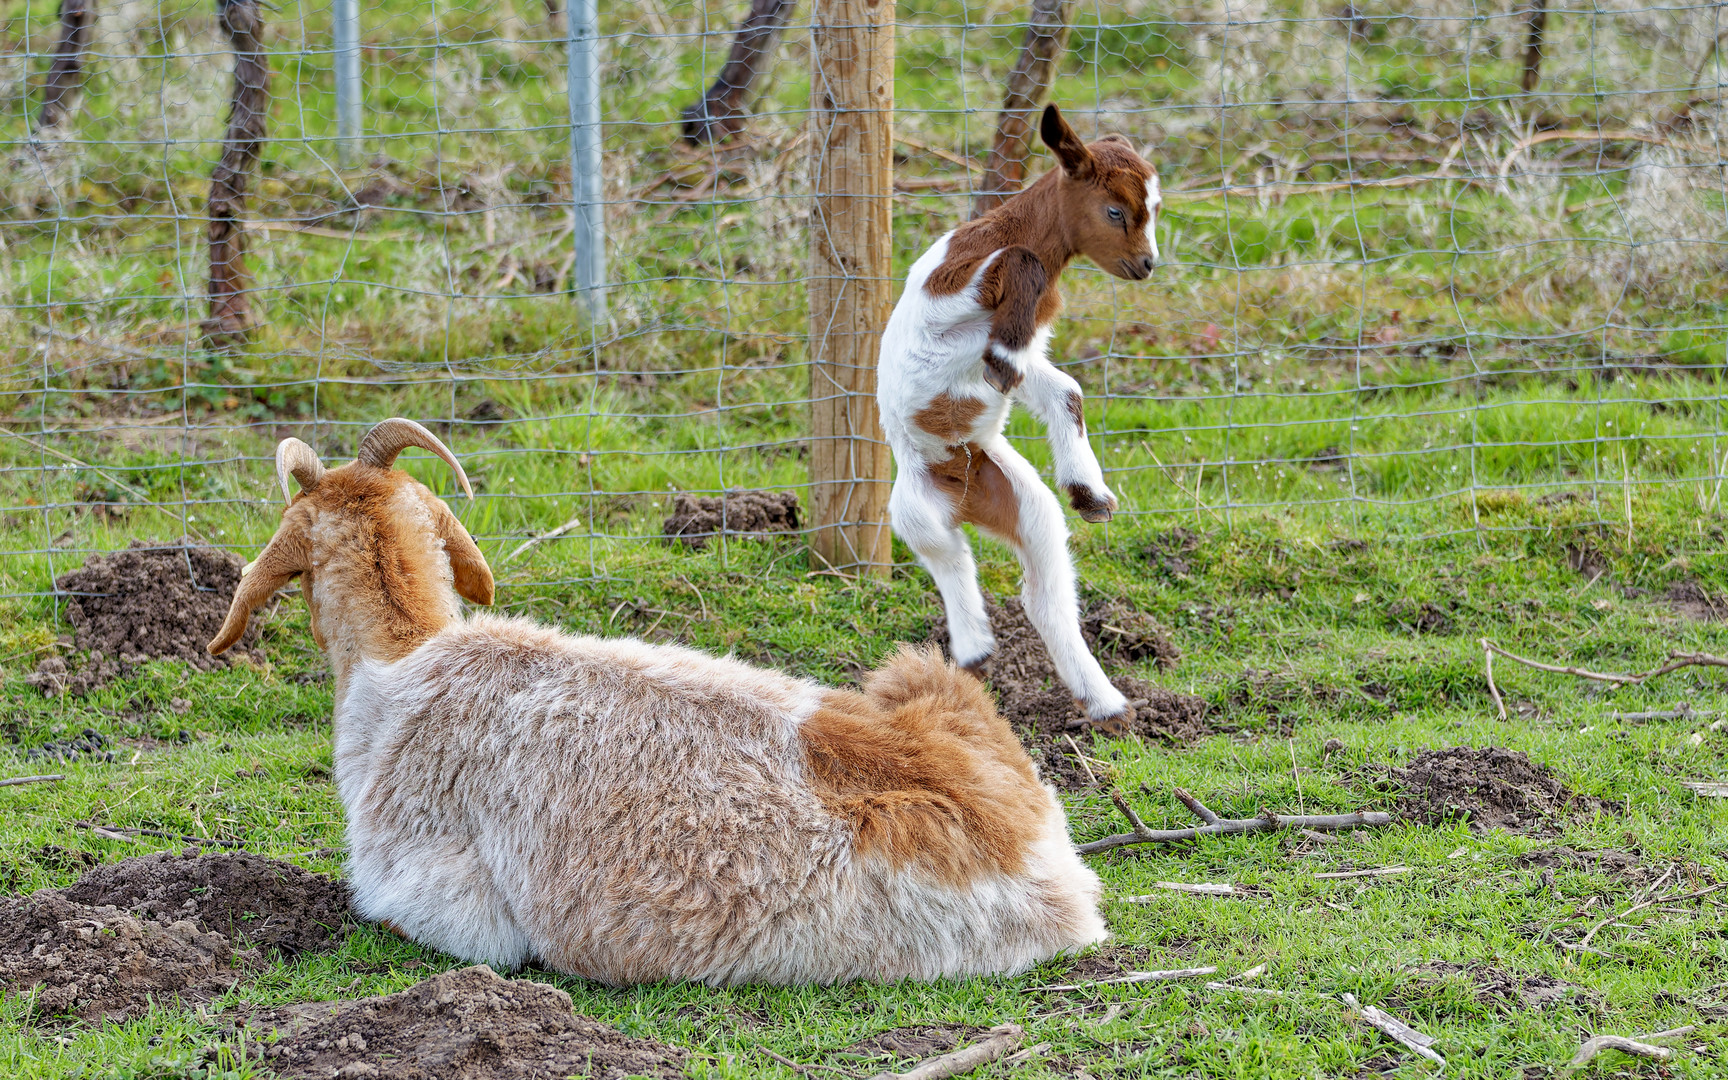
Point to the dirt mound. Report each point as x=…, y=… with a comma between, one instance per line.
x=1490, y=787
x=752, y=515
x=1510, y=991
x=245, y=897
x=913, y=1042
x=100, y=963
x=149, y=602
x=1030, y=695
x=467, y=1025
x=1690, y=600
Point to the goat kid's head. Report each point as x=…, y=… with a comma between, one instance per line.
x=1109, y=198
x=365, y=539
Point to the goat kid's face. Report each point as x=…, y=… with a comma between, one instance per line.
x=375, y=521
x=1108, y=196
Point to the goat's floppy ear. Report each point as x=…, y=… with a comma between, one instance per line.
x=1076, y=160
x=289, y=552
x=473, y=576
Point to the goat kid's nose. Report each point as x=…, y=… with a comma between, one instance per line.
x=1146, y=263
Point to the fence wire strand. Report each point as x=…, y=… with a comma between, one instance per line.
x=1417, y=257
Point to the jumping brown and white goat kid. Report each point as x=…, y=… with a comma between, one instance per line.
x=970, y=335
x=633, y=812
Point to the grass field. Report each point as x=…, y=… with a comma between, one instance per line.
x=1354, y=430
x=1291, y=636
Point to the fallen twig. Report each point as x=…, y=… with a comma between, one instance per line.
x=1584, y=944
x=128, y=832
x=799, y=1067
x=1493, y=691
x=1217, y=826
x=1707, y=788
x=1378, y=871
x=1681, y=712
x=1002, y=1041
x=1592, y=136
x=1131, y=977
x=1027, y=1054
x=1599, y=1043
x=1395, y=1029
x=1675, y=662
x=48, y=779
x=1080, y=757
x=1203, y=888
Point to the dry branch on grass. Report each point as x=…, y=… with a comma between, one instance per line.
x=1217, y=826
x=1003, y=1040
x=16, y=780
x=1203, y=888
x=1127, y=980
x=1636, y=1047
x=1395, y=1029
x=1707, y=788
x=128, y=832
x=1675, y=662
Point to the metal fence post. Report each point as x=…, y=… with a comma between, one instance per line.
x=345, y=30
x=587, y=189
x=850, y=288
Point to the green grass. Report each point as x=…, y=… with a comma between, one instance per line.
x=1355, y=402
x=1293, y=636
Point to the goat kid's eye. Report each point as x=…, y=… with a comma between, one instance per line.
x=1115, y=213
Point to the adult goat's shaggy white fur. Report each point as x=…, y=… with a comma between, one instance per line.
x=632, y=812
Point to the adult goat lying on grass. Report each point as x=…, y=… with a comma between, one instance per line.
x=633, y=812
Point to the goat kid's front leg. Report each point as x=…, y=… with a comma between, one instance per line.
x=1011, y=289
x=1055, y=399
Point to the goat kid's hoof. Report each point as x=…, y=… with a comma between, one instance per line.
x=1091, y=505
x=979, y=669
x=1108, y=725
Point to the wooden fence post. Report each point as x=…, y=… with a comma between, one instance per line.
x=851, y=288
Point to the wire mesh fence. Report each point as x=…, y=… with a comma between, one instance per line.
x=1417, y=256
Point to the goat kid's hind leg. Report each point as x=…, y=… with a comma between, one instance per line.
x=1048, y=589
x=1054, y=398
x=924, y=519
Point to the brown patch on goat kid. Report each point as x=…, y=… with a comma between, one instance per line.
x=979, y=490
x=926, y=771
x=949, y=418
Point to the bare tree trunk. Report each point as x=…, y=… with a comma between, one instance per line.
x=230, y=320
x=720, y=112
x=1005, y=166
x=66, y=73
x=1538, y=21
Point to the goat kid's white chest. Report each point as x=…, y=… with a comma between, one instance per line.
x=933, y=346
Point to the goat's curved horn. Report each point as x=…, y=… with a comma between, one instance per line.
x=390, y=437
x=294, y=458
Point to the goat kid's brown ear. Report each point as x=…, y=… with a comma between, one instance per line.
x=473, y=576
x=1070, y=151
x=289, y=552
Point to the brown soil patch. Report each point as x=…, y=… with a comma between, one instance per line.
x=1490, y=787
x=1690, y=600
x=1586, y=561
x=1419, y=618
x=1036, y=703
x=149, y=602
x=750, y=515
x=914, y=1042
x=1509, y=991
x=1106, y=963
x=245, y=897
x=99, y=963
x=467, y=1025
